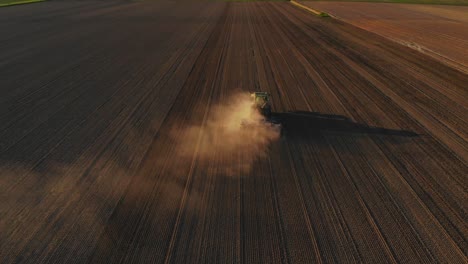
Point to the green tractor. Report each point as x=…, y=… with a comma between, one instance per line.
x=262, y=103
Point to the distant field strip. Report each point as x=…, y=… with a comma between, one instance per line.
x=439, y=31
x=426, y=2
x=313, y=11
x=10, y=3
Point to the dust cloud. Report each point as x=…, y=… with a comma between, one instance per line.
x=233, y=136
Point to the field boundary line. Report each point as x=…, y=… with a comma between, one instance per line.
x=311, y=10
x=22, y=2
x=414, y=46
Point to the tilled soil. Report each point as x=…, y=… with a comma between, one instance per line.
x=436, y=30
x=97, y=98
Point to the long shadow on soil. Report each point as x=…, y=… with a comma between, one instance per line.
x=309, y=125
x=119, y=237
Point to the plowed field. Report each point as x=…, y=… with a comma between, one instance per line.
x=110, y=153
x=436, y=30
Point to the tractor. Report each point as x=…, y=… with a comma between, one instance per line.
x=261, y=104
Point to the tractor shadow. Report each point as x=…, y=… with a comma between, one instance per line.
x=310, y=125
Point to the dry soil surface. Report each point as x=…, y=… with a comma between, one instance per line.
x=109, y=152
x=437, y=30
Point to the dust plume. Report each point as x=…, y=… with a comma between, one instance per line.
x=233, y=136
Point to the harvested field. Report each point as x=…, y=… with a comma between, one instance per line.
x=439, y=31
x=109, y=151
